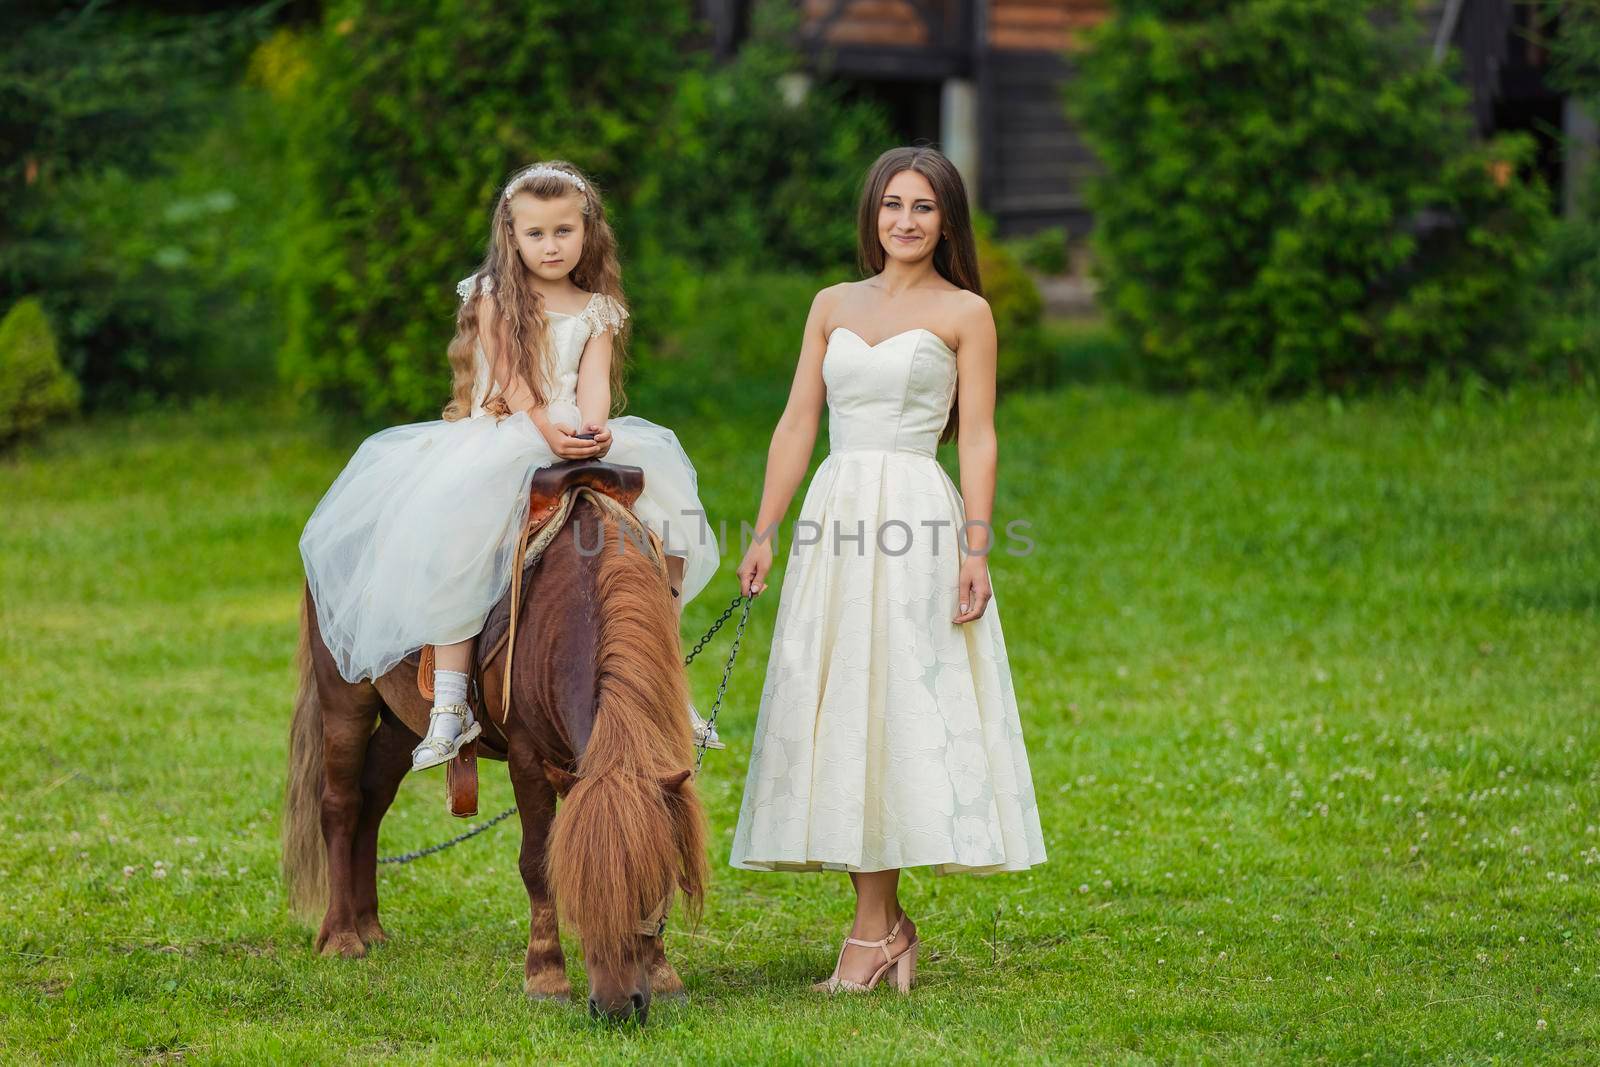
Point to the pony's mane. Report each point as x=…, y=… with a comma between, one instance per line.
x=621, y=840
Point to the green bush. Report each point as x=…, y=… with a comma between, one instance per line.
x=707, y=336
x=1085, y=350
x=1018, y=310
x=33, y=385
x=165, y=280
x=1568, y=340
x=1569, y=273
x=112, y=118
x=1293, y=197
x=1575, y=50
x=409, y=118
x=1044, y=251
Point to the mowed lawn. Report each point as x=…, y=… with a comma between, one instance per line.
x=1312, y=694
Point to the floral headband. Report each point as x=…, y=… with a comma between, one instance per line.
x=542, y=170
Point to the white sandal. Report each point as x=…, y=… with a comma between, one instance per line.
x=436, y=750
x=705, y=734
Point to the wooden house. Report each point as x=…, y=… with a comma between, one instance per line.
x=986, y=81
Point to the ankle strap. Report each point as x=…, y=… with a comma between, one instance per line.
x=883, y=941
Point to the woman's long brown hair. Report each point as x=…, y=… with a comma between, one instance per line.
x=521, y=329
x=955, y=257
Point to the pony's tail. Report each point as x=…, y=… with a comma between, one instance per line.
x=305, y=860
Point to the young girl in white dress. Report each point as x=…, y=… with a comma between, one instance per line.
x=888, y=733
x=413, y=543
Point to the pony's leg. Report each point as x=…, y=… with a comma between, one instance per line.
x=664, y=981
x=388, y=759
x=346, y=727
x=544, y=974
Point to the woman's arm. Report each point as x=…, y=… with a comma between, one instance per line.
x=978, y=450
x=796, y=433
x=792, y=441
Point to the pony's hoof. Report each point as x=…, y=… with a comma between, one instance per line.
x=373, y=933
x=346, y=945
x=557, y=990
x=665, y=984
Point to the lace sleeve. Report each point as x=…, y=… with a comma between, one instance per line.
x=466, y=286
x=604, y=313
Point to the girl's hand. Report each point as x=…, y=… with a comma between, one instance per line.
x=566, y=446
x=973, y=591
x=602, y=438
x=754, y=567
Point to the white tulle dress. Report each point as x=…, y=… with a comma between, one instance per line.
x=888, y=736
x=413, y=543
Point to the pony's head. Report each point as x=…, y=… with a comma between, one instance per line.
x=624, y=846
x=629, y=834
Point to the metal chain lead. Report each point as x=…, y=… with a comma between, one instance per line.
x=727, y=670
x=407, y=857
x=726, y=613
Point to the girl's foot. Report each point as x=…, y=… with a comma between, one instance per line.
x=449, y=727
x=705, y=733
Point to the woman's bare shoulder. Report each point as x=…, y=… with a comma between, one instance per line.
x=829, y=299
x=970, y=305
x=830, y=295
x=971, y=318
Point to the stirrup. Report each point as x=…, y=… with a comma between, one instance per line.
x=436, y=750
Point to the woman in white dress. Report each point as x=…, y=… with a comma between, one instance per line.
x=888, y=734
x=413, y=543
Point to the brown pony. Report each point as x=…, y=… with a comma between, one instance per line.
x=597, y=716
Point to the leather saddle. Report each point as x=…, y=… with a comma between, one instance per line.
x=549, y=486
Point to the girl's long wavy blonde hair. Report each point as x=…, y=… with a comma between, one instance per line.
x=521, y=328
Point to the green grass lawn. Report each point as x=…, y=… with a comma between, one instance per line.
x=1311, y=695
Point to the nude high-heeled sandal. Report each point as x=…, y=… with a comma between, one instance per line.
x=904, y=963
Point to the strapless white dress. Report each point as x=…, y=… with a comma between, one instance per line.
x=888, y=736
x=413, y=543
